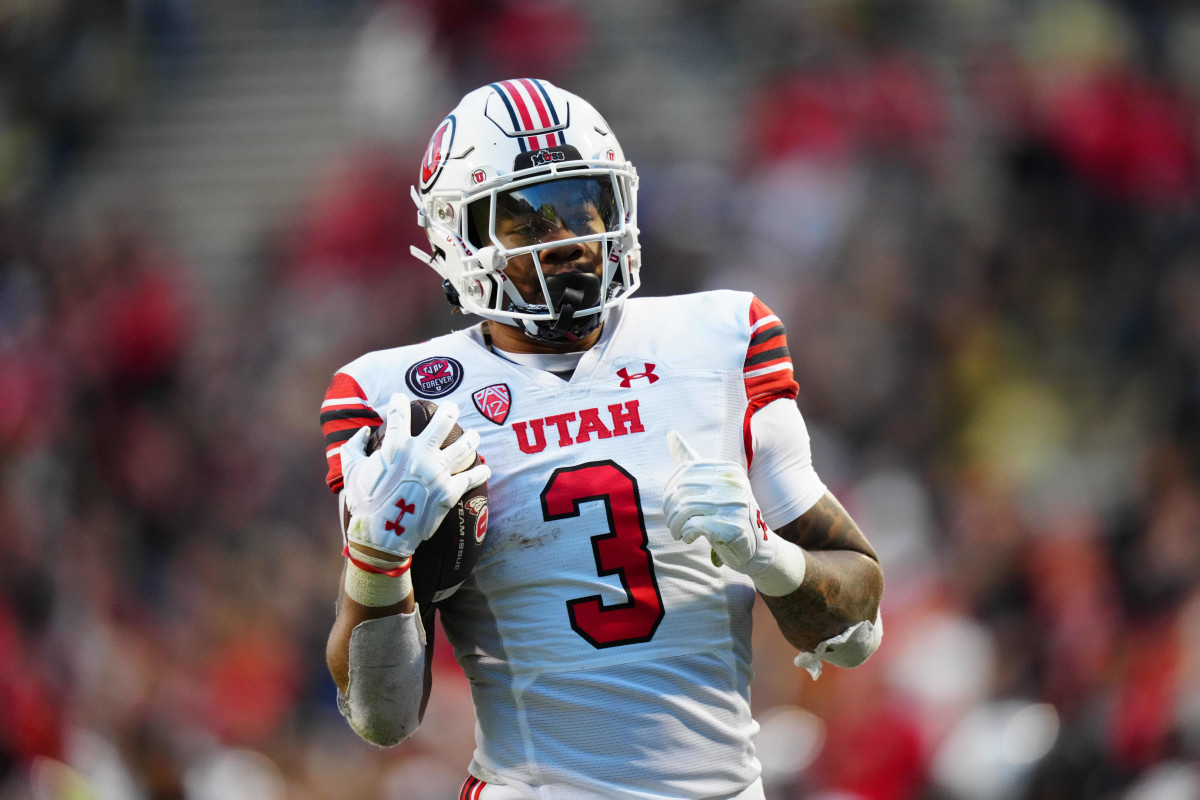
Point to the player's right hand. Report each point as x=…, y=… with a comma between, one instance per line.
x=398, y=495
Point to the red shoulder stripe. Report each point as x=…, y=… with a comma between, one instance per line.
x=767, y=371
x=471, y=789
x=343, y=412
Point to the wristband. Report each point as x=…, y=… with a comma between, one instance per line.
x=786, y=571
x=376, y=589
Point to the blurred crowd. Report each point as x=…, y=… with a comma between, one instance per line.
x=980, y=222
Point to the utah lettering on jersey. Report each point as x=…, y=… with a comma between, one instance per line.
x=578, y=427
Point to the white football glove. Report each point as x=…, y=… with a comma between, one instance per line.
x=398, y=495
x=711, y=498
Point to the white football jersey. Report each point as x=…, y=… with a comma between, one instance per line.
x=606, y=659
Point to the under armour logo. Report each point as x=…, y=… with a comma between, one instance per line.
x=405, y=508
x=627, y=379
x=762, y=525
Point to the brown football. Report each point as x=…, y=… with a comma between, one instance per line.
x=443, y=561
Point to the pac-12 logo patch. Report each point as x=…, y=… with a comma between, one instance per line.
x=493, y=402
x=434, y=377
x=437, y=153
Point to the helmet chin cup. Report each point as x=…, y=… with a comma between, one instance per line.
x=569, y=293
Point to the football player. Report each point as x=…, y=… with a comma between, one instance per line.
x=649, y=475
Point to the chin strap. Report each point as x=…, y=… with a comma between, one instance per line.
x=568, y=293
x=569, y=303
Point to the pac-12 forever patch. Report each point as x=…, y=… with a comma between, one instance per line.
x=434, y=377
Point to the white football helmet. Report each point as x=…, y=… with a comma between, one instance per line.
x=521, y=167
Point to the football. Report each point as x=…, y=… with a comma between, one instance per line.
x=443, y=561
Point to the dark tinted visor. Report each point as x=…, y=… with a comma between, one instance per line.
x=552, y=211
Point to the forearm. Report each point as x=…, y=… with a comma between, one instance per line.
x=843, y=582
x=350, y=615
x=380, y=662
x=841, y=588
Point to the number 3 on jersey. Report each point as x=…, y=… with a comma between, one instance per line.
x=622, y=551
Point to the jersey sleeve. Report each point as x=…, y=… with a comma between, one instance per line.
x=767, y=370
x=343, y=412
x=783, y=478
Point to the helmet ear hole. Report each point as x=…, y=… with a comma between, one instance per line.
x=477, y=222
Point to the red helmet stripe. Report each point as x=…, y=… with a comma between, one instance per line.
x=542, y=89
x=530, y=109
x=521, y=105
x=537, y=102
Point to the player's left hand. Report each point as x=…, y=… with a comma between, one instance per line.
x=711, y=498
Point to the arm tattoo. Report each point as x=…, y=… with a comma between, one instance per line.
x=842, y=581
